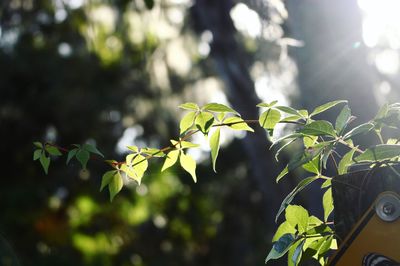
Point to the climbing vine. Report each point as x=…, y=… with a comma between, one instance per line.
x=302, y=236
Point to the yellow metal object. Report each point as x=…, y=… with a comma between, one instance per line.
x=378, y=232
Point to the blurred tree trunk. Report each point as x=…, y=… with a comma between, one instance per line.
x=230, y=62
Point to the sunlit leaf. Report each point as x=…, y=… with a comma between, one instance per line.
x=269, y=118
x=170, y=159
x=204, y=121
x=187, y=121
x=217, y=107
x=313, y=166
x=291, y=118
x=238, y=123
x=326, y=245
x=282, y=174
x=45, y=162
x=345, y=162
x=280, y=247
x=327, y=202
x=297, y=216
x=187, y=144
x=379, y=153
x=327, y=183
x=267, y=104
x=287, y=137
x=343, y=119
x=153, y=152
x=133, y=148
x=37, y=154
x=115, y=185
x=92, y=149
x=284, y=228
x=106, y=179
x=309, y=141
x=189, y=164
x=361, y=129
x=303, y=113
x=83, y=157
x=38, y=145
x=189, y=106
x=326, y=106
x=53, y=150
x=318, y=128
x=135, y=167
x=289, y=198
x=214, y=145
x=289, y=110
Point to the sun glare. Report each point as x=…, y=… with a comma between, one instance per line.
x=381, y=22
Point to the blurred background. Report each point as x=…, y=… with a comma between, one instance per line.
x=112, y=73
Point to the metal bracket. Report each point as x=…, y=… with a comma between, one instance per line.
x=387, y=207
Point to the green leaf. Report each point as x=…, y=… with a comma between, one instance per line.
x=38, y=144
x=214, y=145
x=187, y=121
x=319, y=128
x=170, y=160
x=153, y=152
x=363, y=128
x=343, y=119
x=327, y=183
x=289, y=198
x=106, y=179
x=267, y=104
x=280, y=247
x=295, y=256
x=291, y=118
x=135, y=167
x=83, y=157
x=326, y=245
x=383, y=111
x=189, y=106
x=289, y=110
x=238, y=123
x=378, y=153
x=282, y=174
x=219, y=108
x=71, y=154
x=133, y=148
x=326, y=106
x=309, y=141
x=290, y=136
x=204, y=121
x=53, y=150
x=345, y=162
x=187, y=144
x=302, y=158
x=45, y=162
x=269, y=118
x=283, y=147
x=284, y=228
x=189, y=164
x=303, y=113
x=297, y=216
x=313, y=166
x=92, y=149
x=327, y=202
x=115, y=185
x=37, y=154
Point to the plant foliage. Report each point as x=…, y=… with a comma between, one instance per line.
x=301, y=236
